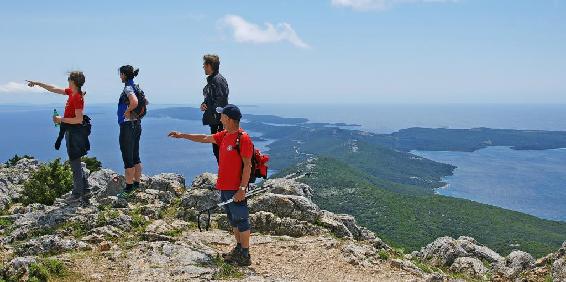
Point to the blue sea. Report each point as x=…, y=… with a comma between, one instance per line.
x=533, y=182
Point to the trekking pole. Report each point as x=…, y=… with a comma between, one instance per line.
x=249, y=194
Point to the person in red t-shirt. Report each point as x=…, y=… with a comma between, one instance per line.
x=234, y=169
x=73, y=115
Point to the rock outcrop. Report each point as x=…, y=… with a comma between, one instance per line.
x=152, y=236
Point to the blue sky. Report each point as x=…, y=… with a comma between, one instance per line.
x=323, y=51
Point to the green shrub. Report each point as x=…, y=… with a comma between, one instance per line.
x=384, y=255
x=225, y=271
x=50, y=181
x=15, y=159
x=92, y=163
x=46, y=269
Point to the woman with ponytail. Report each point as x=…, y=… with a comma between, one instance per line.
x=71, y=122
x=130, y=129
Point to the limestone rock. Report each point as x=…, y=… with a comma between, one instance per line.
x=288, y=187
x=170, y=182
x=296, y=207
x=50, y=244
x=470, y=266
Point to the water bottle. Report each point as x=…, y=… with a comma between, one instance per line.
x=55, y=113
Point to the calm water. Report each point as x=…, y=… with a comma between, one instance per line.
x=529, y=181
x=387, y=118
x=30, y=131
x=532, y=182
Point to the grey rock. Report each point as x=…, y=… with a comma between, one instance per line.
x=113, y=201
x=407, y=266
x=559, y=270
x=471, y=246
x=12, y=179
x=288, y=187
x=290, y=206
x=333, y=223
x=19, y=266
x=170, y=182
x=105, y=182
x=268, y=223
x=514, y=264
x=205, y=181
x=442, y=252
x=200, y=199
x=50, y=244
x=470, y=266
x=445, y=250
x=359, y=254
x=166, y=261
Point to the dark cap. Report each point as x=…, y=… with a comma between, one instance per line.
x=232, y=111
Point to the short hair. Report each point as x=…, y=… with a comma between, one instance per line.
x=212, y=60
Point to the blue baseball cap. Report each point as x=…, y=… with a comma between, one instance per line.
x=232, y=111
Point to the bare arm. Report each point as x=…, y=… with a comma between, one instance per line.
x=133, y=104
x=48, y=87
x=246, y=171
x=200, y=138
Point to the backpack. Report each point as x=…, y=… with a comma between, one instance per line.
x=141, y=110
x=259, y=162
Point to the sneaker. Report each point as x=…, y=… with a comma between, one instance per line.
x=228, y=257
x=241, y=260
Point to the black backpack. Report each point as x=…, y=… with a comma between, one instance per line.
x=141, y=110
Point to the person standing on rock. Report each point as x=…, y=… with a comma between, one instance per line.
x=76, y=138
x=130, y=130
x=215, y=95
x=234, y=169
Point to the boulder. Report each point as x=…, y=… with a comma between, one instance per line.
x=170, y=182
x=290, y=206
x=359, y=254
x=105, y=182
x=470, y=266
x=333, y=223
x=445, y=250
x=19, y=266
x=559, y=270
x=200, y=199
x=514, y=264
x=50, y=244
x=288, y=187
x=442, y=252
x=268, y=223
x=205, y=181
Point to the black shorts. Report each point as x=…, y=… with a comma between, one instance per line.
x=130, y=133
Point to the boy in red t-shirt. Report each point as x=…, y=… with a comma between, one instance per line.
x=234, y=169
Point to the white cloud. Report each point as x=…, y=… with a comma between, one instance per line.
x=16, y=87
x=365, y=5
x=245, y=31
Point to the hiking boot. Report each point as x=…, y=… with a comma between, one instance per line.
x=228, y=257
x=241, y=260
x=126, y=193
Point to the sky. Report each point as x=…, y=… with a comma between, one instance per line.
x=292, y=51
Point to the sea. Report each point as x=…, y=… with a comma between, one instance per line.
x=533, y=182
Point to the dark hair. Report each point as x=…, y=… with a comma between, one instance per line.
x=213, y=60
x=129, y=71
x=78, y=78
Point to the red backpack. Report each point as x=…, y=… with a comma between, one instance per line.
x=259, y=162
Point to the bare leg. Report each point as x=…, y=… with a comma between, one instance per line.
x=244, y=238
x=138, y=172
x=130, y=175
x=236, y=234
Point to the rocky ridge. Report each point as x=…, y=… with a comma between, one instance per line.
x=153, y=236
